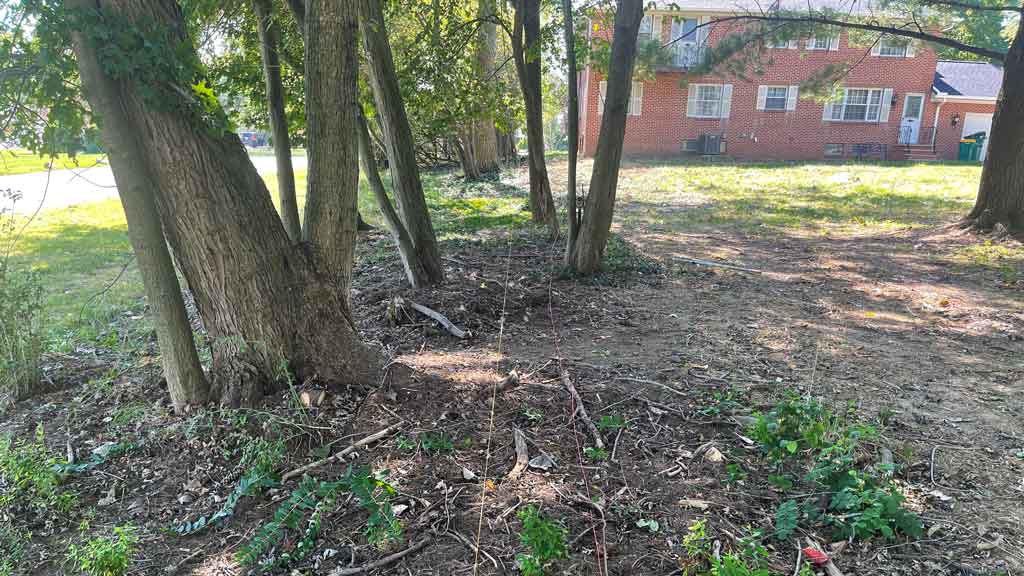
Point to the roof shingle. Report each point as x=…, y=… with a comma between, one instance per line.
x=967, y=79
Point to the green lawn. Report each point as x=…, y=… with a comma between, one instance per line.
x=24, y=162
x=79, y=251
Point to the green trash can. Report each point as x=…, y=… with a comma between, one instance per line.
x=969, y=150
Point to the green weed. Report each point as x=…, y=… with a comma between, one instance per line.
x=12, y=547
x=106, y=556
x=595, y=454
x=29, y=470
x=543, y=539
x=611, y=422
x=794, y=425
x=436, y=442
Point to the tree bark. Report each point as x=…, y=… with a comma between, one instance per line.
x=331, y=98
x=186, y=382
x=480, y=138
x=573, y=128
x=600, y=204
x=401, y=151
x=405, y=247
x=269, y=35
x=271, y=308
x=526, y=52
x=1000, y=199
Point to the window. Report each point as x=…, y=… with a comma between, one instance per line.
x=833, y=150
x=893, y=48
x=775, y=97
x=826, y=43
x=636, y=98
x=685, y=29
x=781, y=44
x=859, y=105
x=709, y=100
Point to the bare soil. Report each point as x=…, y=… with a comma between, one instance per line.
x=927, y=351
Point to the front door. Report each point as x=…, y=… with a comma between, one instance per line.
x=910, y=126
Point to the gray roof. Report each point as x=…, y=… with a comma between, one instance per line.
x=967, y=79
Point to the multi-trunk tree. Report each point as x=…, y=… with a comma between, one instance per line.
x=273, y=309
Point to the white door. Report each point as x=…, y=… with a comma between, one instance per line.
x=910, y=126
x=974, y=123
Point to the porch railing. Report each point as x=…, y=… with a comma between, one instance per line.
x=908, y=136
x=687, y=55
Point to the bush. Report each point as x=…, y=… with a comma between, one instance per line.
x=12, y=547
x=106, y=556
x=21, y=303
x=30, y=476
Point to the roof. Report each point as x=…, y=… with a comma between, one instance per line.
x=857, y=7
x=967, y=79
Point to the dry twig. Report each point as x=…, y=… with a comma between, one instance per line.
x=522, y=455
x=582, y=410
x=385, y=561
x=339, y=455
x=441, y=319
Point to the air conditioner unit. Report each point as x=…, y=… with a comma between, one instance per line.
x=710, y=144
x=690, y=146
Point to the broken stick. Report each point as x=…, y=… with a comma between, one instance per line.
x=714, y=264
x=582, y=410
x=441, y=319
x=522, y=455
x=339, y=455
x=342, y=571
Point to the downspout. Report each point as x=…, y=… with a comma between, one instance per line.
x=935, y=125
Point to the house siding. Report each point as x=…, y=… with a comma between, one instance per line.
x=801, y=134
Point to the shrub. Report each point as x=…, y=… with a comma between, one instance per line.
x=794, y=425
x=12, y=547
x=21, y=302
x=106, y=556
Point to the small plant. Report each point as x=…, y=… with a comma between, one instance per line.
x=436, y=443
x=696, y=541
x=794, y=425
x=611, y=422
x=533, y=415
x=544, y=540
x=106, y=556
x=722, y=402
x=31, y=474
x=651, y=524
x=128, y=414
x=596, y=454
x=734, y=474
x=406, y=444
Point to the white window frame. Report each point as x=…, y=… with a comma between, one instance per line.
x=717, y=103
x=783, y=98
x=839, y=111
x=889, y=47
x=788, y=97
x=792, y=44
x=831, y=43
x=636, y=98
x=647, y=20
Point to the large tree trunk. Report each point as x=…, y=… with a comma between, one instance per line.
x=332, y=68
x=270, y=306
x=268, y=31
x=479, y=138
x=405, y=247
x=186, y=382
x=1000, y=199
x=401, y=151
x=573, y=128
x=600, y=204
x=528, y=68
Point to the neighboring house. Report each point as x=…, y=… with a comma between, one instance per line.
x=899, y=101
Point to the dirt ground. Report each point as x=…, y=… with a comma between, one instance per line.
x=929, y=351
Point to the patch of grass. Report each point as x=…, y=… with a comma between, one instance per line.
x=106, y=556
x=611, y=422
x=436, y=442
x=1004, y=258
x=24, y=162
x=595, y=454
x=776, y=197
x=12, y=547
x=544, y=540
x=128, y=414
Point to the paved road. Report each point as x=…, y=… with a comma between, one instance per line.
x=88, y=184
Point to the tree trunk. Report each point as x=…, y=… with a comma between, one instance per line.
x=186, y=382
x=269, y=39
x=332, y=68
x=401, y=152
x=527, y=55
x=573, y=122
x=600, y=204
x=507, y=149
x=405, y=247
x=480, y=136
x=271, y=308
x=1000, y=199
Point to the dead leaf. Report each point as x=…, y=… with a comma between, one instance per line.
x=714, y=455
x=696, y=504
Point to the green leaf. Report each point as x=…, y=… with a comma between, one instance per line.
x=786, y=519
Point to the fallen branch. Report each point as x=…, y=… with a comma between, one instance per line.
x=339, y=455
x=385, y=561
x=460, y=538
x=522, y=455
x=582, y=410
x=714, y=264
x=441, y=319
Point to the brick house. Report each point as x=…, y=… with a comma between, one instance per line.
x=899, y=101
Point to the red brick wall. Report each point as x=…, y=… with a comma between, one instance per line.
x=947, y=142
x=801, y=134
